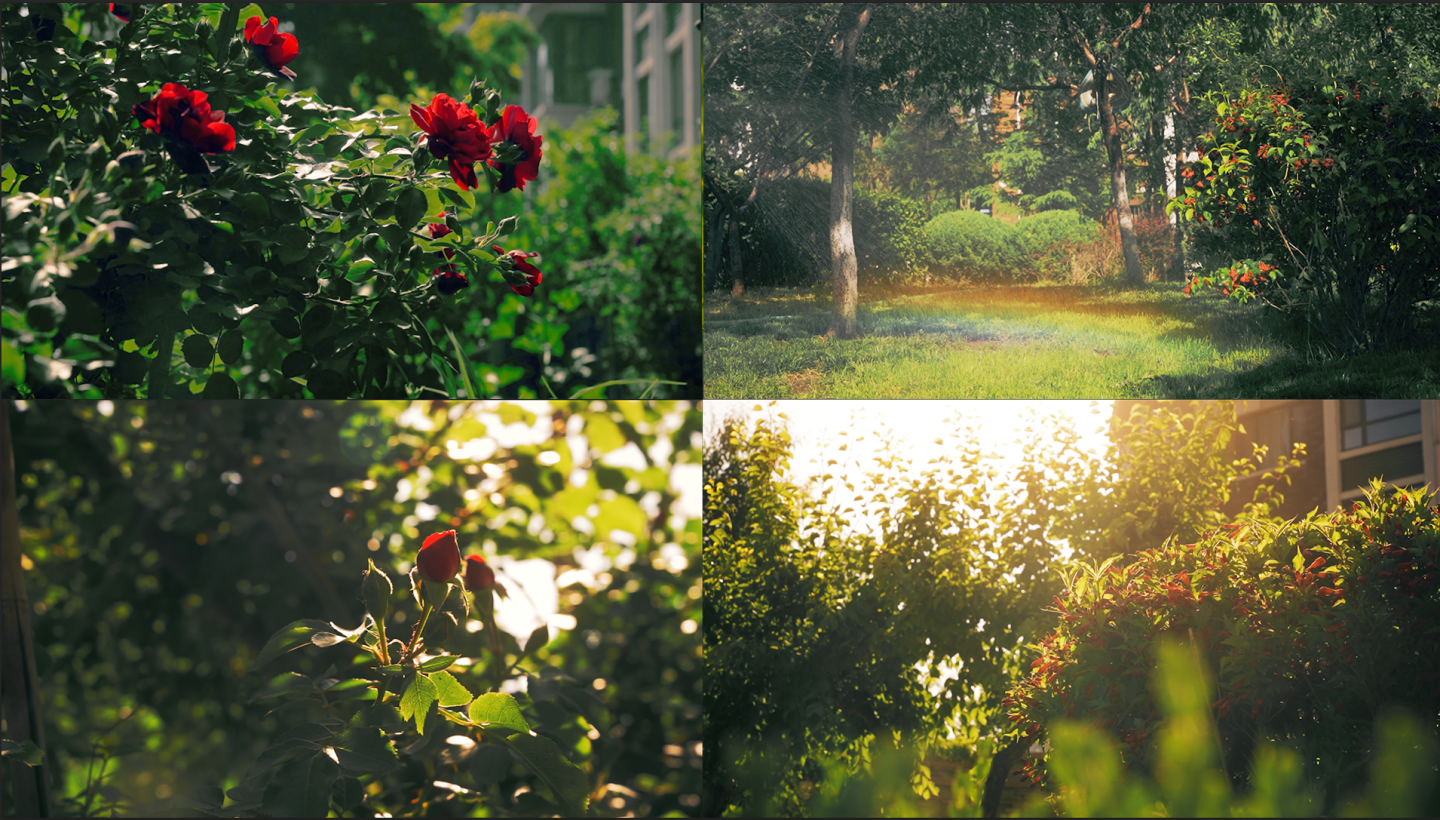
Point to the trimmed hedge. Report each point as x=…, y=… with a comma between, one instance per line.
x=970, y=243
x=787, y=234
x=1047, y=240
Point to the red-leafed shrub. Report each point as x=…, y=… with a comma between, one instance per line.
x=1311, y=627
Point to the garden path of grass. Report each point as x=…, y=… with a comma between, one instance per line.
x=1023, y=342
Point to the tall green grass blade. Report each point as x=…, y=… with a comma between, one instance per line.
x=464, y=366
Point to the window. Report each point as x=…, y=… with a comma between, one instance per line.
x=642, y=43
x=642, y=91
x=574, y=45
x=672, y=17
x=1370, y=421
x=677, y=93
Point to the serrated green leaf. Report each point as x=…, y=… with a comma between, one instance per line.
x=347, y=793
x=452, y=692
x=302, y=789
x=417, y=699
x=311, y=736
x=24, y=751
x=564, y=779
x=410, y=207
x=292, y=636
x=437, y=664
x=284, y=683
x=366, y=749
x=497, y=709
x=464, y=200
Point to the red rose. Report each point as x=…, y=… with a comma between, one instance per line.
x=517, y=129
x=519, y=274
x=437, y=230
x=478, y=574
x=179, y=112
x=449, y=280
x=439, y=558
x=273, y=48
x=455, y=133
x=121, y=11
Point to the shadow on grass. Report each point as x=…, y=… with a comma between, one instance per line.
x=1410, y=374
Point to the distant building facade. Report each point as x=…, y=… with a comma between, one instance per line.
x=641, y=58
x=1348, y=442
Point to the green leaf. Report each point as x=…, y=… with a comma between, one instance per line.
x=327, y=384
x=417, y=699
x=297, y=364
x=366, y=749
x=409, y=207
x=283, y=684
x=464, y=200
x=13, y=365
x=497, y=709
x=452, y=692
x=464, y=365
x=198, y=351
x=252, y=203
x=220, y=386
x=230, y=347
x=564, y=779
x=598, y=391
x=302, y=632
x=347, y=793
x=1298, y=562
x=24, y=751
x=311, y=736
x=302, y=789
x=436, y=664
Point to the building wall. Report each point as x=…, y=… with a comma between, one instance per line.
x=643, y=59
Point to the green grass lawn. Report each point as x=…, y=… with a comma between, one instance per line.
x=1027, y=342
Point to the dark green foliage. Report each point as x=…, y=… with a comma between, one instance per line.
x=1055, y=201
x=889, y=234
x=170, y=542
x=1046, y=240
x=969, y=243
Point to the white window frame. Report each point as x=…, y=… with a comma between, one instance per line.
x=1334, y=496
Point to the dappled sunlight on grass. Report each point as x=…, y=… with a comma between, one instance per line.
x=1042, y=341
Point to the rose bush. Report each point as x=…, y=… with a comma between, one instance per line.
x=1336, y=190
x=282, y=261
x=1302, y=622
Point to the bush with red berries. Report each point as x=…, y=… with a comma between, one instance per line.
x=1311, y=627
x=1336, y=191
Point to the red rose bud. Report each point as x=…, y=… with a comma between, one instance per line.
x=450, y=281
x=517, y=148
x=521, y=276
x=437, y=230
x=439, y=558
x=454, y=133
x=120, y=11
x=478, y=574
x=270, y=46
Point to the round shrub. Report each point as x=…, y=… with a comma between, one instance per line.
x=971, y=243
x=1047, y=240
x=1312, y=627
x=889, y=233
x=1055, y=201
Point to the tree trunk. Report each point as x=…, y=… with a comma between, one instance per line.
x=1004, y=760
x=714, y=241
x=29, y=785
x=1115, y=152
x=842, y=184
x=737, y=270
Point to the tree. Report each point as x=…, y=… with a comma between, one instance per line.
x=814, y=632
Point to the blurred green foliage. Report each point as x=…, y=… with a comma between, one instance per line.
x=165, y=542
